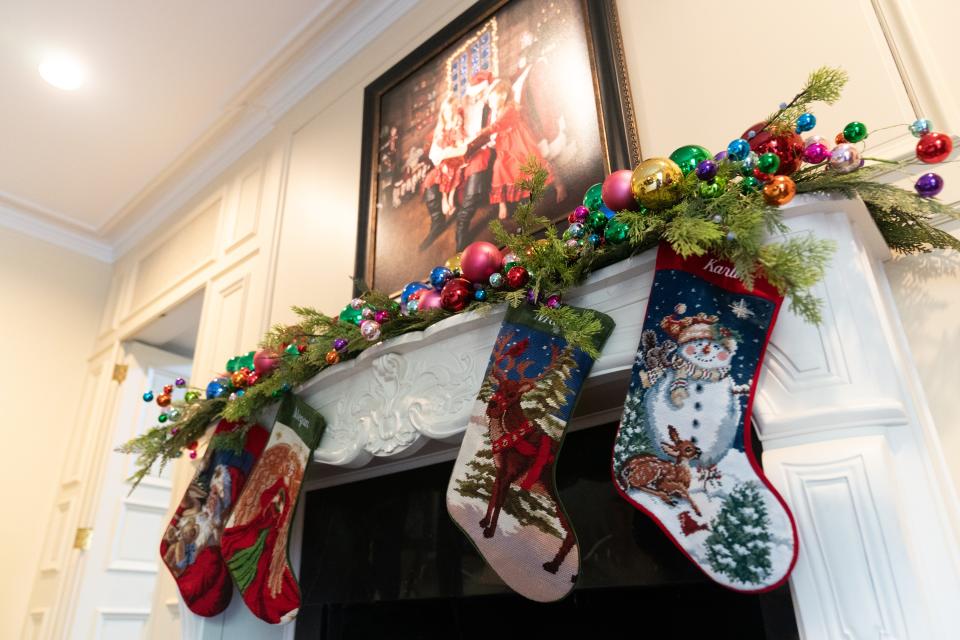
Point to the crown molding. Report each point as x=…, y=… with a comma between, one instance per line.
x=56, y=231
x=337, y=31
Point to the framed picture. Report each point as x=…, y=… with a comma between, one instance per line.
x=446, y=129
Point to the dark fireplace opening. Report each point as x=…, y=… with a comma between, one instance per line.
x=381, y=559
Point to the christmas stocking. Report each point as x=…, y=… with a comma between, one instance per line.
x=682, y=453
x=255, y=538
x=191, y=544
x=502, y=493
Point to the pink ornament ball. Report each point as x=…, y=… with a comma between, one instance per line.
x=429, y=300
x=264, y=362
x=579, y=214
x=617, y=193
x=816, y=153
x=479, y=260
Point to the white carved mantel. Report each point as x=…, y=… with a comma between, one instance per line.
x=847, y=437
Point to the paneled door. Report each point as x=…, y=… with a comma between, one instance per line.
x=119, y=569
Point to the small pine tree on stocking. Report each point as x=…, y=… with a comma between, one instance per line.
x=739, y=543
x=633, y=438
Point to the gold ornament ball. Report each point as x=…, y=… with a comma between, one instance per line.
x=779, y=191
x=453, y=263
x=656, y=183
x=332, y=357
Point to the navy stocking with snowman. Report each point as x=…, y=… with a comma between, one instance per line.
x=682, y=453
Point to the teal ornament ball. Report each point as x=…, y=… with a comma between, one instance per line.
x=148, y=396
x=689, y=156
x=921, y=127
x=806, y=122
x=593, y=198
x=738, y=149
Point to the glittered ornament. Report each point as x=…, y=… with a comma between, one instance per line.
x=439, y=277
x=382, y=316
x=929, y=185
x=480, y=295
x=162, y=418
x=761, y=176
x=409, y=289
x=412, y=306
x=511, y=259
x=738, y=149
x=712, y=189
x=572, y=244
x=191, y=396
x=252, y=378
x=779, y=191
x=616, y=192
x=496, y=280
x=656, y=183
x=456, y=294
x=350, y=315
x=616, y=231
x=453, y=264
x=517, y=277
x=788, y=146
x=748, y=164
x=215, y=389
x=580, y=213
x=370, y=329
x=332, y=357
x=552, y=301
x=844, y=158
x=768, y=162
x=816, y=153
x=340, y=344
x=480, y=259
x=264, y=362
x=689, y=156
x=921, y=127
x=594, y=240
x=180, y=382
x=596, y=221
x=575, y=230
x=356, y=303
x=855, y=131
x=707, y=170
x=806, y=122
x=934, y=147
x=593, y=198
x=174, y=414
x=238, y=379
x=367, y=313
x=163, y=400
x=429, y=300
x=749, y=184
x=148, y=396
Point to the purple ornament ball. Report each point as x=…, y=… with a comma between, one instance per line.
x=382, y=316
x=617, y=193
x=340, y=344
x=553, y=301
x=580, y=213
x=929, y=185
x=816, y=153
x=429, y=300
x=707, y=170
x=479, y=260
x=720, y=156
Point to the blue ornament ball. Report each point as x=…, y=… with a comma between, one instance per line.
x=738, y=149
x=439, y=277
x=409, y=289
x=921, y=127
x=215, y=389
x=575, y=230
x=806, y=122
x=594, y=239
x=480, y=294
x=148, y=396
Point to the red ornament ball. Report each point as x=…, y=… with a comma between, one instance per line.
x=934, y=147
x=840, y=139
x=252, y=379
x=517, y=276
x=786, y=146
x=456, y=294
x=429, y=300
x=617, y=193
x=480, y=259
x=265, y=361
x=168, y=389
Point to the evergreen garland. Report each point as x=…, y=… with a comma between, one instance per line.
x=732, y=226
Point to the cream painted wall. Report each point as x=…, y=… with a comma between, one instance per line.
x=53, y=300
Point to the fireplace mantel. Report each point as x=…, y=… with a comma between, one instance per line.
x=846, y=434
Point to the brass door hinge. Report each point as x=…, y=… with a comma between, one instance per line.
x=120, y=372
x=83, y=538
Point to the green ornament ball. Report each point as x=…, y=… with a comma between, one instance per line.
x=713, y=188
x=592, y=199
x=191, y=396
x=292, y=350
x=855, y=131
x=750, y=184
x=616, y=231
x=246, y=361
x=350, y=315
x=597, y=220
x=232, y=365
x=768, y=163
x=689, y=156
x=162, y=418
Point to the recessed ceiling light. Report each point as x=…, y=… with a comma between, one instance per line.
x=62, y=71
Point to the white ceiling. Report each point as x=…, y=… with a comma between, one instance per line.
x=161, y=76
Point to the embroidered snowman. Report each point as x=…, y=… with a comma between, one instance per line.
x=690, y=388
